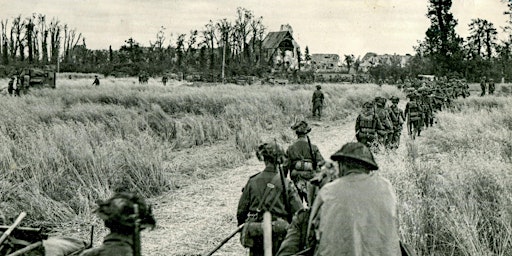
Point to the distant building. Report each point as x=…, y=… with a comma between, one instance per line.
x=325, y=62
x=371, y=59
x=280, y=49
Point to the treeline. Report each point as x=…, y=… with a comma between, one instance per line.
x=445, y=53
x=237, y=43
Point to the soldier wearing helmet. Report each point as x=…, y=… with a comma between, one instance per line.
x=304, y=159
x=386, y=129
x=397, y=118
x=492, y=86
x=483, y=85
x=318, y=101
x=119, y=215
x=264, y=192
x=367, y=125
x=414, y=115
x=355, y=214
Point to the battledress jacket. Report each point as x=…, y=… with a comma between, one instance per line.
x=113, y=245
x=252, y=195
x=356, y=215
x=300, y=150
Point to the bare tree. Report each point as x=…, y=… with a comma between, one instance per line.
x=209, y=40
x=55, y=30
x=5, y=42
x=43, y=31
x=241, y=30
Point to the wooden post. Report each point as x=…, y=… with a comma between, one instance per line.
x=267, y=234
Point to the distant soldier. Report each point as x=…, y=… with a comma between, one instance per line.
x=367, y=125
x=492, y=86
x=318, y=101
x=265, y=192
x=386, y=128
x=10, y=87
x=397, y=118
x=96, y=81
x=119, y=215
x=414, y=115
x=356, y=214
x=483, y=85
x=164, y=80
x=304, y=160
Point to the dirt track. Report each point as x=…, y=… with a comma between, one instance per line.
x=195, y=219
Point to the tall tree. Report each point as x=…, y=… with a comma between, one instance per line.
x=482, y=38
x=55, y=37
x=442, y=44
x=307, y=56
x=5, y=42
x=349, y=59
x=29, y=32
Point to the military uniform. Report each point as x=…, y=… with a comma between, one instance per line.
x=355, y=214
x=397, y=118
x=318, y=101
x=482, y=86
x=96, y=81
x=118, y=214
x=300, y=160
x=384, y=132
x=114, y=244
x=414, y=113
x=257, y=197
x=492, y=86
x=367, y=125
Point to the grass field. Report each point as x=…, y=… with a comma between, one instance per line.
x=64, y=148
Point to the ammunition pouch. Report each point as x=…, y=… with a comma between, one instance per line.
x=253, y=231
x=303, y=165
x=305, y=175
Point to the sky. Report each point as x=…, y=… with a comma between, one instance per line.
x=325, y=26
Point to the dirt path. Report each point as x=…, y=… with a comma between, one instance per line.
x=195, y=219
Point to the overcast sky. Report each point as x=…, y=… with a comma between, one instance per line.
x=325, y=26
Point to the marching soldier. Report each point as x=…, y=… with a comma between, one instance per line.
x=267, y=191
x=318, y=101
x=414, y=115
x=483, y=85
x=367, y=125
x=96, y=81
x=164, y=80
x=356, y=214
x=397, y=118
x=386, y=128
x=119, y=214
x=492, y=86
x=304, y=159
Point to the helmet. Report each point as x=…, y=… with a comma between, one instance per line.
x=380, y=101
x=394, y=99
x=368, y=104
x=271, y=152
x=119, y=215
x=356, y=152
x=319, y=87
x=301, y=127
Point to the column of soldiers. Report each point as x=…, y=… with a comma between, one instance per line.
x=380, y=124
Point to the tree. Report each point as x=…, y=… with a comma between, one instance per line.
x=180, y=47
x=441, y=43
x=482, y=38
x=307, y=57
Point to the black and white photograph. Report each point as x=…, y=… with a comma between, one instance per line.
x=260, y=128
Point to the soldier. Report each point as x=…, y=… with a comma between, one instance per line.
x=386, y=128
x=96, y=81
x=164, y=80
x=414, y=115
x=482, y=85
x=119, y=215
x=367, y=125
x=397, y=118
x=428, y=116
x=492, y=86
x=10, y=87
x=265, y=192
x=355, y=214
x=318, y=101
x=296, y=240
x=304, y=159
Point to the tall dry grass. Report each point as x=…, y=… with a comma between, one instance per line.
x=62, y=149
x=454, y=183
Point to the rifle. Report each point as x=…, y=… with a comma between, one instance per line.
x=225, y=240
x=313, y=155
x=284, y=192
x=136, y=232
x=12, y=227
